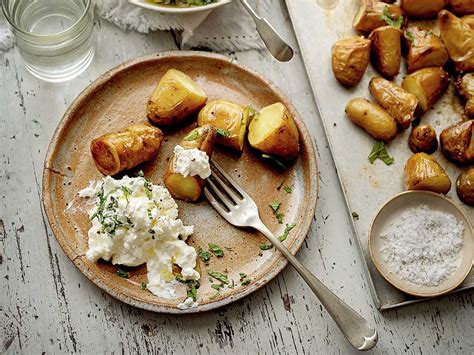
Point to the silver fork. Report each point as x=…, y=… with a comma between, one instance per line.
x=238, y=208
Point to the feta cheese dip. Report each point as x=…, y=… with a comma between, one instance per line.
x=136, y=222
x=191, y=162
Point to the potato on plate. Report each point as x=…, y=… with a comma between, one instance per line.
x=422, y=9
x=465, y=87
x=425, y=49
x=458, y=37
x=371, y=14
x=422, y=172
x=350, y=57
x=273, y=132
x=386, y=51
x=461, y=7
x=189, y=188
x=468, y=19
x=427, y=84
x=457, y=142
x=423, y=139
x=400, y=104
x=175, y=97
x=372, y=118
x=230, y=120
x=465, y=186
x=123, y=150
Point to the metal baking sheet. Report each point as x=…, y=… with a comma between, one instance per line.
x=318, y=24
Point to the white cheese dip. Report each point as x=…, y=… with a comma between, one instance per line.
x=136, y=222
x=191, y=162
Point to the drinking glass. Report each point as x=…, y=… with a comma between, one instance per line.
x=54, y=37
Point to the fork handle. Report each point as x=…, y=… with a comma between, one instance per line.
x=355, y=328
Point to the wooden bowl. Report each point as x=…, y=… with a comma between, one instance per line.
x=392, y=211
x=117, y=99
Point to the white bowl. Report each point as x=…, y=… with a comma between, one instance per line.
x=177, y=10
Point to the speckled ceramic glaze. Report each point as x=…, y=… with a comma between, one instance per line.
x=118, y=99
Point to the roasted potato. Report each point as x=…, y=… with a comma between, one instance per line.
x=230, y=120
x=189, y=188
x=458, y=37
x=273, y=131
x=422, y=172
x=385, y=51
x=469, y=19
x=423, y=139
x=425, y=49
x=372, y=118
x=461, y=7
x=123, y=150
x=350, y=57
x=465, y=87
x=465, y=186
x=427, y=84
x=457, y=142
x=422, y=9
x=400, y=104
x=175, y=97
x=370, y=15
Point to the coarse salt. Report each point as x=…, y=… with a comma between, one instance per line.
x=423, y=246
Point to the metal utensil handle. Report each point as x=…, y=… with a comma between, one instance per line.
x=355, y=328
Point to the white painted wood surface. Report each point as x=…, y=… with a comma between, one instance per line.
x=47, y=305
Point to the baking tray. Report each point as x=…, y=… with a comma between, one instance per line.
x=318, y=24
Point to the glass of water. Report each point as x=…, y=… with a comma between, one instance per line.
x=54, y=37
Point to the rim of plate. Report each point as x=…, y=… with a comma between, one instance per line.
x=278, y=265
x=178, y=10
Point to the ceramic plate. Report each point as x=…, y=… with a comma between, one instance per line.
x=392, y=211
x=118, y=99
x=177, y=10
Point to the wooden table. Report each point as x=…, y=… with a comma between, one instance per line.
x=47, y=305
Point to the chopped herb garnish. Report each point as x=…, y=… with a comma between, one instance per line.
x=191, y=291
x=242, y=275
x=216, y=250
x=122, y=273
x=266, y=246
x=223, y=132
x=275, y=160
x=387, y=17
x=143, y=286
x=251, y=111
x=204, y=255
x=288, y=189
x=409, y=36
x=215, y=295
x=279, y=217
x=232, y=284
x=217, y=286
x=218, y=276
x=192, y=136
x=126, y=192
x=140, y=174
x=428, y=33
x=379, y=152
x=245, y=282
x=355, y=215
x=275, y=205
x=287, y=230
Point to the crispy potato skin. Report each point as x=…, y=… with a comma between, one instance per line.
x=461, y=7
x=386, y=51
x=400, y=104
x=423, y=139
x=350, y=57
x=469, y=20
x=458, y=37
x=123, y=150
x=465, y=87
x=283, y=141
x=465, y=186
x=422, y=172
x=422, y=9
x=172, y=101
x=427, y=84
x=457, y=142
x=425, y=49
x=190, y=188
x=372, y=118
x=228, y=116
x=369, y=15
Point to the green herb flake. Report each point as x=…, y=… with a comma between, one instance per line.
x=232, y=284
x=287, y=230
x=379, y=152
x=274, y=160
x=288, y=189
x=191, y=291
x=355, y=215
x=204, y=255
x=216, y=250
x=143, y=286
x=192, y=136
x=245, y=282
x=409, y=36
x=279, y=217
x=275, y=205
x=215, y=295
x=217, y=286
x=387, y=17
x=242, y=275
x=223, y=132
x=266, y=246
x=218, y=276
x=122, y=273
